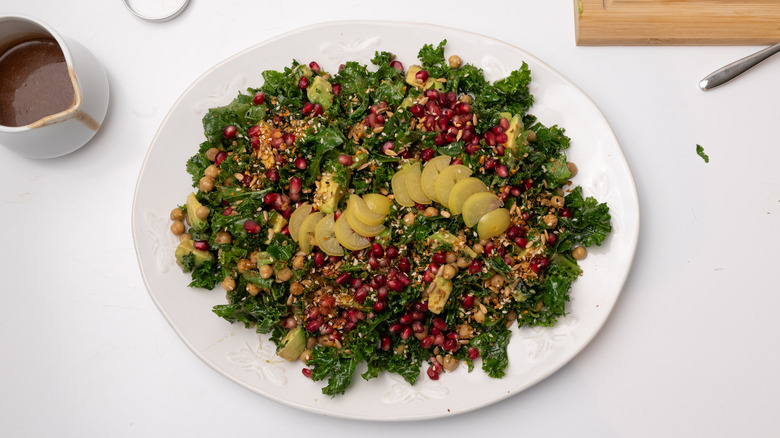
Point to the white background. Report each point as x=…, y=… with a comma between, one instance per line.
x=691, y=348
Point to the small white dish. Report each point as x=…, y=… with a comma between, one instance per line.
x=65, y=131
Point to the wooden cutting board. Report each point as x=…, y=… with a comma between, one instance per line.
x=677, y=22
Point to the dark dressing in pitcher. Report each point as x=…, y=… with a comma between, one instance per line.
x=34, y=82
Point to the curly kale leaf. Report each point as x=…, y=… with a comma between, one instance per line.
x=492, y=348
x=590, y=220
x=338, y=368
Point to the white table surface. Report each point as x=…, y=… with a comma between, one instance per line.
x=691, y=348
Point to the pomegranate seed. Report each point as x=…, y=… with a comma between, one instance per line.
x=345, y=160
x=336, y=89
x=301, y=163
x=259, y=98
x=417, y=326
x=303, y=83
x=406, y=333
x=508, y=260
x=566, y=213
x=501, y=138
x=421, y=75
x=395, y=285
x=431, y=94
x=475, y=266
x=489, y=248
x=373, y=262
x=404, y=279
x=417, y=110
x=315, y=67
x=382, y=293
x=313, y=325
x=439, y=323
x=396, y=327
x=308, y=107
x=344, y=278
x=521, y=242
x=251, y=226
x=435, y=331
x=472, y=148
x=380, y=279
x=467, y=302
x=295, y=185
x=360, y=294
x=404, y=264
x=463, y=108
x=405, y=154
x=270, y=198
x=428, y=277
x=426, y=342
x=306, y=372
x=272, y=175
x=432, y=374
x=406, y=319
x=387, y=146
x=286, y=230
x=438, y=339
x=397, y=65
x=515, y=191
x=500, y=150
x=391, y=252
x=379, y=306
x=356, y=283
x=528, y=184
x=551, y=239
x=451, y=344
x=473, y=353
x=490, y=138
x=221, y=156
x=427, y=154
x=502, y=171
x=229, y=132
x=439, y=258
x=377, y=250
x=253, y=131
x=384, y=343
x=513, y=231
x=319, y=259
x=201, y=245
x=490, y=163
x=317, y=110
x=420, y=307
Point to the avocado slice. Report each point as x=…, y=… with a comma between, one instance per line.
x=187, y=246
x=328, y=194
x=411, y=79
x=438, y=297
x=320, y=91
x=445, y=237
x=515, y=127
x=293, y=344
x=192, y=205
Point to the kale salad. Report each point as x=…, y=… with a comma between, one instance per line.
x=398, y=217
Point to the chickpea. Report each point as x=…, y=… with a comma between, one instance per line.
x=449, y=272
x=305, y=356
x=579, y=253
x=252, y=289
x=244, y=265
x=183, y=236
x=229, y=284
x=497, y=280
x=454, y=61
x=572, y=168
x=298, y=262
x=206, y=184
x=557, y=201
x=296, y=288
x=465, y=331
x=311, y=342
x=177, y=214
x=551, y=220
x=531, y=136
x=266, y=271
x=478, y=248
x=202, y=212
x=465, y=98
x=212, y=171
x=431, y=212
x=177, y=228
x=211, y=154
x=285, y=274
x=409, y=219
x=462, y=262
x=449, y=363
x=451, y=257
x=223, y=238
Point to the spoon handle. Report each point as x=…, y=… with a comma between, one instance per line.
x=736, y=68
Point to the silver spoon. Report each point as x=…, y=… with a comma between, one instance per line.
x=736, y=68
